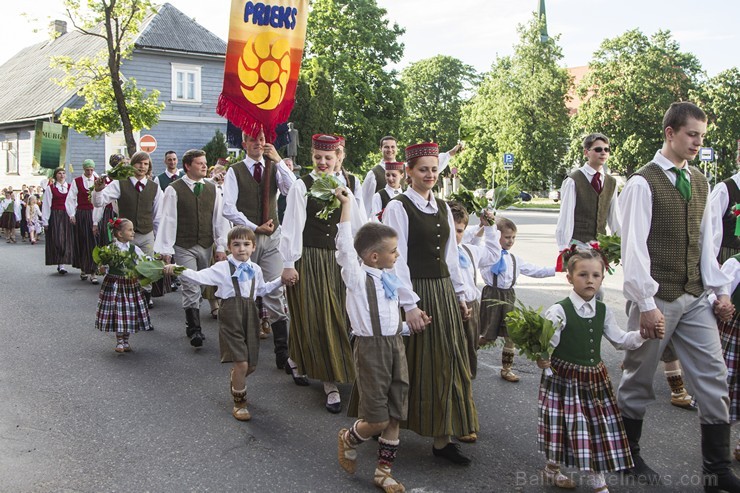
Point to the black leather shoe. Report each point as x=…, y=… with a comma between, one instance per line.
x=452, y=453
x=335, y=408
x=301, y=380
x=196, y=340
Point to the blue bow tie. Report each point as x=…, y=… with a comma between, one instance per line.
x=244, y=272
x=464, y=260
x=391, y=282
x=500, y=266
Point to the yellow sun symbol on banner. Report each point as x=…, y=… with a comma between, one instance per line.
x=264, y=70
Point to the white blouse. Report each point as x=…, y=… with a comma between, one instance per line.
x=219, y=275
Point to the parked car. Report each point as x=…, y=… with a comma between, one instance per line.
x=554, y=195
x=525, y=196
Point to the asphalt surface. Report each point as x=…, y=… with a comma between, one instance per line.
x=77, y=417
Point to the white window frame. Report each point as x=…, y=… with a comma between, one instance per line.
x=186, y=69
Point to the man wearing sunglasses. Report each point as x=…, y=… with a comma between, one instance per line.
x=589, y=197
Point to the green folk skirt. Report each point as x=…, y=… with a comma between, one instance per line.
x=319, y=329
x=440, y=388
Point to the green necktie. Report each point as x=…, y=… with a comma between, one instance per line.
x=682, y=183
x=197, y=189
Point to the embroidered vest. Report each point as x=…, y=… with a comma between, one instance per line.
x=580, y=339
x=194, y=215
x=592, y=209
x=427, y=240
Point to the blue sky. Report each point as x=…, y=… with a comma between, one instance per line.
x=476, y=31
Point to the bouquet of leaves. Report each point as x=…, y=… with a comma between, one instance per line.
x=121, y=172
x=151, y=271
x=474, y=205
x=530, y=332
x=504, y=196
x=611, y=247
x=115, y=258
x=322, y=190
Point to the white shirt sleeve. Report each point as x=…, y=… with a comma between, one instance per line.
x=453, y=259
x=532, y=270
x=556, y=315
x=70, y=204
x=46, y=206
x=564, y=228
x=444, y=161
x=167, y=232
x=368, y=190
x=614, y=219
x=156, y=209
x=359, y=201
x=294, y=220
x=619, y=338
x=231, y=194
x=346, y=255
x=376, y=207
x=111, y=192
x=221, y=225
x=395, y=217
x=711, y=274
x=285, y=177
x=718, y=202
x=731, y=268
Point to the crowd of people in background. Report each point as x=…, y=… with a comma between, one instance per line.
x=384, y=293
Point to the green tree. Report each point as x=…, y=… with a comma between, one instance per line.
x=314, y=106
x=216, y=148
x=720, y=98
x=111, y=104
x=355, y=43
x=434, y=91
x=519, y=108
x=632, y=80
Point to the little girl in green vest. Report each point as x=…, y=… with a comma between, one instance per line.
x=579, y=424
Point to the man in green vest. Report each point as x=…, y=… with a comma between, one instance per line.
x=250, y=199
x=190, y=225
x=171, y=173
x=589, y=197
x=669, y=268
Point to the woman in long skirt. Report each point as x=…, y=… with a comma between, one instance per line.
x=440, y=393
x=319, y=331
x=59, y=244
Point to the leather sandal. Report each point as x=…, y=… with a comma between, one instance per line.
x=240, y=410
x=554, y=477
x=508, y=375
x=383, y=476
x=120, y=348
x=346, y=453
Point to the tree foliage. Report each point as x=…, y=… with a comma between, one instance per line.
x=434, y=91
x=112, y=103
x=355, y=43
x=519, y=108
x=216, y=148
x=719, y=97
x=632, y=80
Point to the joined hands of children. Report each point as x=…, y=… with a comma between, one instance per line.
x=417, y=320
x=723, y=308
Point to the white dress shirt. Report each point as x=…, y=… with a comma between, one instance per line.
x=395, y=217
x=566, y=219
x=357, y=191
x=719, y=200
x=506, y=278
x=167, y=234
x=488, y=253
x=294, y=220
x=284, y=178
x=369, y=184
x=48, y=197
x=127, y=246
x=587, y=309
x=169, y=175
x=378, y=202
x=112, y=192
x=219, y=275
x=71, y=202
x=731, y=268
x=355, y=275
x=16, y=207
x=636, y=202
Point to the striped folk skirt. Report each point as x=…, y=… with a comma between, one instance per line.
x=729, y=336
x=84, y=242
x=59, y=242
x=319, y=329
x=493, y=314
x=121, y=306
x=7, y=220
x=579, y=424
x=440, y=387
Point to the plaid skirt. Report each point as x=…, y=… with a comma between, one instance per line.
x=579, y=424
x=121, y=306
x=59, y=243
x=319, y=329
x=729, y=334
x=7, y=220
x=492, y=314
x=84, y=242
x=440, y=387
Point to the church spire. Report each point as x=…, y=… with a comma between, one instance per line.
x=541, y=15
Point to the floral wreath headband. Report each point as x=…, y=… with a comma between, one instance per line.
x=578, y=246
x=115, y=224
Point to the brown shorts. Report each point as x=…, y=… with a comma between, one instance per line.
x=382, y=378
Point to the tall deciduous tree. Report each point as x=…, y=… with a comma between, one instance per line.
x=519, y=108
x=434, y=91
x=112, y=103
x=720, y=98
x=632, y=80
x=356, y=42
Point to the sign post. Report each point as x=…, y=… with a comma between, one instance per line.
x=508, y=165
x=706, y=155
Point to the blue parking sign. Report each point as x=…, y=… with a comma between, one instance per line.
x=508, y=158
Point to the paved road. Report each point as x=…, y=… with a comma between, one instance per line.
x=77, y=417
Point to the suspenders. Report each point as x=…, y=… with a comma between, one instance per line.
x=513, y=281
x=372, y=301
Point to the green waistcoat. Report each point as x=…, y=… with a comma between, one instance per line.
x=249, y=201
x=194, y=215
x=137, y=206
x=673, y=241
x=427, y=240
x=592, y=209
x=319, y=233
x=379, y=173
x=580, y=339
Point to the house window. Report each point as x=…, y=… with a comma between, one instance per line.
x=186, y=83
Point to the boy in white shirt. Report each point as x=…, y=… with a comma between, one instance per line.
x=382, y=380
